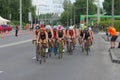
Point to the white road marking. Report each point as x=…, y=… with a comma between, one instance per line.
x=1, y=72
x=34, y=57
x=15, y=43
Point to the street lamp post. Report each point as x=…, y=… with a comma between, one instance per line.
x=87, y=15
x=20, y=14
x=74, y=15
x=112, y=12
x=98, y=11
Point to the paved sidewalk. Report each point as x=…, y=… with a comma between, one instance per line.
x=115, y=55
x=12, y=33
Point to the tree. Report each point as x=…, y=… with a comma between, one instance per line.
x=8, y=7
x=67, y=14
x=107, y=5
x=80, y=9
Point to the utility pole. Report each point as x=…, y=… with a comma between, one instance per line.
x=67, y=14
x=74, y=15
x=112, y=12
x=87, y=15
x=20, y=14
x=98, y=12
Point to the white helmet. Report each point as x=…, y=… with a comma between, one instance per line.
x=54, y=27
x=47, y=26
x=71, y=27
x=90, y=28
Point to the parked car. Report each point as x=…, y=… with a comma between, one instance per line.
x=5, y=28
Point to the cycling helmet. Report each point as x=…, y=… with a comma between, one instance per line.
x=54, y=27
x=86, y=29
x=42, y=29
x=90, y=28
x=71, y=27
x=42, y=26
x=37, y=27
x=47, y=26
x=59, y=27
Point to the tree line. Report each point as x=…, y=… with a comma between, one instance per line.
x=73, y=11
x=10, y=9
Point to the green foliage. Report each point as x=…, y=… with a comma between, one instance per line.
x=107, y=23
x=8, y=7
x=107, y=5
x=79, y=7
x=14, y=23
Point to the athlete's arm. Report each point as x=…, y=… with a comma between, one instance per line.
x=51, y=32
x=46, y=36
x=38, y=36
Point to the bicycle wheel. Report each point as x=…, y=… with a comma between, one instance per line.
x=37, y=53
x=44, y=52
x=87, y=47
x=71, y=48
x=68, y=47
x=48, y=54
x=38, y=56
x=56, y=47
x=82, y=47
x=41, y=53
x=60, y=50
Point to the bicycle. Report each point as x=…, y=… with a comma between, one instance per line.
x=82, y=46
x=56, y=45
x=60, y=50
x=49, y=49
x=41, y=53
x=37, y=50
x=87, y=47
x=70, y=46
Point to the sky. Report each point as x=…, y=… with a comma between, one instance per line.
x=47, y=6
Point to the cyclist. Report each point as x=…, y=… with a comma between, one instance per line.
x=61, y=35
x=49, y=31
x=35, y=37
x=87, y=36
x=92, y=37
x=36, y=31
x=42, y=36
x=55, y=36
x=71, y=34
x=80, y=36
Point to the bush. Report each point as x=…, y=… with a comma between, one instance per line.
x=13, y=23
x=105, y=24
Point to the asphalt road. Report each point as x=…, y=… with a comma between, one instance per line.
x=16, y=63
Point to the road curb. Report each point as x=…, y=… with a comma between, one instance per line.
x=114, y=59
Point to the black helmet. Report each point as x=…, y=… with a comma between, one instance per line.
x=37, y=27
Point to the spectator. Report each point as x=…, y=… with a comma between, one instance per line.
x=114, y=36
x=16, y=31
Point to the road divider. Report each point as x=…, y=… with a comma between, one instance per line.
x=15, y=43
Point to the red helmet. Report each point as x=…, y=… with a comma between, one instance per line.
x=42, y=26
x=59, y=27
